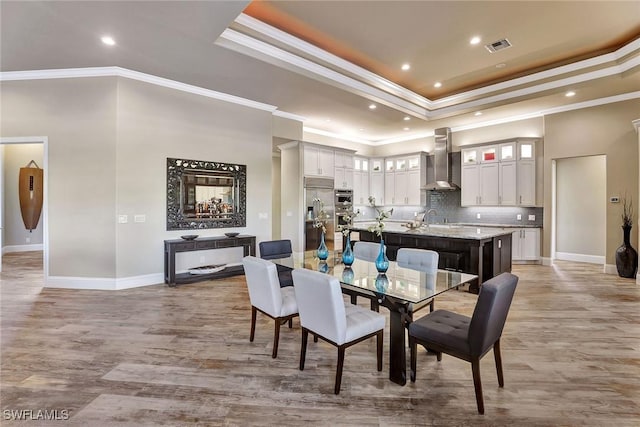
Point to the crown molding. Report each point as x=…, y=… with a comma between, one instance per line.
x=338, y=136
x=291, y=116
x=622, y=60
x=134, y=75
x=243, y=43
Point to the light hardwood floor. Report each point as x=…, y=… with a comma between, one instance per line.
x=182, y=356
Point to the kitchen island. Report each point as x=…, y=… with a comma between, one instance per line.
x=483, y=251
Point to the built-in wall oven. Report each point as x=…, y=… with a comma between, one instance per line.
x=343, y=206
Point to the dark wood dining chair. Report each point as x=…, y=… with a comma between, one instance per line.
x=324, y=313
x=468, y=338
x=268, y=297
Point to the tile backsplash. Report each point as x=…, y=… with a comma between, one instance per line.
x=448, y=210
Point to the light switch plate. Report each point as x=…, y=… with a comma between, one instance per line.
x=532, y=217
x=519, y=217
x=123, y=219
x=478, y=216
x=263, y=215
x=139, y=218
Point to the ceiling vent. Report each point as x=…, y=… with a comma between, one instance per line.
x=498, y=45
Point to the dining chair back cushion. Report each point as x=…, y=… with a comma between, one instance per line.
x=322, y=309
x=274, y=249
x=490, y=314
x=418, y=259
x=264, y=288
x=367, y=251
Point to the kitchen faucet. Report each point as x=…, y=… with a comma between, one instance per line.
x=426, y=216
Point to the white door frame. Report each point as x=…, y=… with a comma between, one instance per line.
x=45, y=203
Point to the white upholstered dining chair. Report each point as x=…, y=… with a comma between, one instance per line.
x=418, y=259
x=268, y=297
x=367, y=251
x=324, y=313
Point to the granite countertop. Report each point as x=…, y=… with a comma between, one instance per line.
x=439, y=230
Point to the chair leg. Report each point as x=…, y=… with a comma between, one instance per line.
x=354, y=299
x=380, y=343
x=303, y=347
x=432, y=305
x=413, y=349
x=475, y=369
x=498, y=357
x=276, y=339
x=336, y=389
x=254, y=312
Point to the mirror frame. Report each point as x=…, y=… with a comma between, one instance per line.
x=176, y=220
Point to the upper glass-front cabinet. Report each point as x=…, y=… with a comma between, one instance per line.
x=360, y=164
x=376, y=165
x=526, y=150
x=507, y=152
x=488, y=154
x=414, y=163
x=401, y=164
x=469, y=156
x=390, y=165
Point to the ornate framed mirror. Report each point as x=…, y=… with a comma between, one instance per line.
x=203, y=194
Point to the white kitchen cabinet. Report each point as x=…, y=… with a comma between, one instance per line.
x=499, y=174
x=376, y=181
x=318, y=161
x=404, y=178
x=360, y=181
x=343, y=172
x=525, y=244
x=508, y=192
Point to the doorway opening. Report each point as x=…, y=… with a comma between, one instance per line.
x=13, y=237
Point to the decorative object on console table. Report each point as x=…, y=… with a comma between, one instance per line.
x=382, y=262
x=320, y=222
x=626, y=255
x=30, y=189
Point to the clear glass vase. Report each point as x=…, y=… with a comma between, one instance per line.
x=347, y=255
x=382, y=262
x=323, y=252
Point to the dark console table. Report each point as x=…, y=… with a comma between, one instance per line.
x=171, y=247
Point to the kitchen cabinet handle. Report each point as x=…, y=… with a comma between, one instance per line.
x=520, y=199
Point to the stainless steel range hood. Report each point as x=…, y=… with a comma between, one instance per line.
x=442, y=165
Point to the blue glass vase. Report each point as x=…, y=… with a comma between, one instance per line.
x=382, y=262
x=348, y=275
x=323, y=252
x=323, y=267
x=347, y=255
x=382, y=283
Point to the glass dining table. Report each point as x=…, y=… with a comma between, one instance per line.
x=403, y=291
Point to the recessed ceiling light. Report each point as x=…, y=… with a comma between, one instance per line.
x=406, y=118
x=405, y=128
x=327, y=120
x=474, y=40
x=372, y=107
x=361, y=129
x=478, y=113
x=405, y=67
x=108, y=40
x=501, y=65
x=570, y=93
x=437, y=84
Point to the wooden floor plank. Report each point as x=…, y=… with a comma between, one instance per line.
x=181, y=356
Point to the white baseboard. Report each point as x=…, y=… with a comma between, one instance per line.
x=610, y=269
x=22, y=248
x=105, y=284
x=546, y=261
x=591, y=259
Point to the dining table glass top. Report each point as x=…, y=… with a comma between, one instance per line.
x=406, y=284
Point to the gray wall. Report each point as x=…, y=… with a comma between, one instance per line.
x=17, y=156
x=108, y=143
x=79, y=118
x=581, y=205
x=603, y=130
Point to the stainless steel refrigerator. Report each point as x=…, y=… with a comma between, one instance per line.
x=318, y=189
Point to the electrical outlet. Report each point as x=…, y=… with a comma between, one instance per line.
x=614, y=199
x=477, y=216
x=28, y=239
x=139, y=218
x=519, y=217
x=123, y=219
x=263, y=215
x=532, y=217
